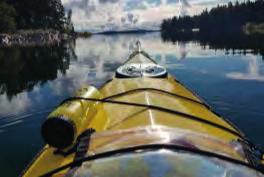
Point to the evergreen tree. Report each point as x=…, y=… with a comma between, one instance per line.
x=230, y=17
x=7, y=18
x=69, y=27
x=36, y=14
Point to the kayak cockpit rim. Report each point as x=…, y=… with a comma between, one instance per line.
x=150, y=147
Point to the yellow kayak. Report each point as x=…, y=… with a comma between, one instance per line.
x=143, y=122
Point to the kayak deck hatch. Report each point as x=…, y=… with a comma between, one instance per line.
x=145, y=113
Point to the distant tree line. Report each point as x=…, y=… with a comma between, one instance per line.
x=230, y=42
x=229, y=17
x=34, y=14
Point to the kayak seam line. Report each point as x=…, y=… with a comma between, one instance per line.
x=29, y=165
x=210, y=108
x=187, y=116
x=126, y=118
x=135, y=53
x=157, y=90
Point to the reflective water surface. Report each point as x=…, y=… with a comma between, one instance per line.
x=34, y=80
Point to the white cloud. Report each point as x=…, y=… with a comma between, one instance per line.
x=17, y=104
x=252, y=73
x=100, y=15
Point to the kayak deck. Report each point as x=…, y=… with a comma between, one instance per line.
x=152, y=105
x=136, y=91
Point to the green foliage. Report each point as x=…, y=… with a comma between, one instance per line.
x=7, y=18
x=69, y=28
x=230, y=17
x=252, y=28
x=33, y=14
x=84, y=34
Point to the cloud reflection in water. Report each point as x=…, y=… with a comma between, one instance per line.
x=100, y=55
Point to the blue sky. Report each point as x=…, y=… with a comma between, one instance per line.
x=104, y=15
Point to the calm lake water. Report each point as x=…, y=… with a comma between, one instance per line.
x=34, y=80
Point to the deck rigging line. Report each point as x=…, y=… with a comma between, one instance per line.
x=156, y=90
x=184, y=115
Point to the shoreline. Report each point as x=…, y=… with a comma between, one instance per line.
x=31, y=38
x=24, y=38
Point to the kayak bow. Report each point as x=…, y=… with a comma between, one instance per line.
x=140, y=121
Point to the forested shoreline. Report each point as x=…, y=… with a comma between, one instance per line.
x=34, y=22
x=31, y=14
x=230, y=17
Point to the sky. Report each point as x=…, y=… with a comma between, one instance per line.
x=109, y=15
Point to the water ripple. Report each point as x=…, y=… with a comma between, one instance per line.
x=12, y=120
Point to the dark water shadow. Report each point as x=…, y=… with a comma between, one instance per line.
x=23, y=68
x=234, y=42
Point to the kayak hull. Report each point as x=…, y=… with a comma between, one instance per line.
x=159, y=108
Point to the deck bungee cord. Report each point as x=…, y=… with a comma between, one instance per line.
x=158, y=108
x=142, y=110
x=246, y=143
x=155, y=90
